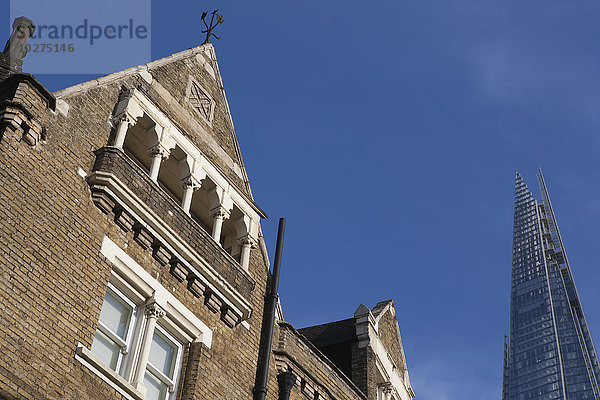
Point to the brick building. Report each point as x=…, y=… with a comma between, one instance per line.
x=132, y=260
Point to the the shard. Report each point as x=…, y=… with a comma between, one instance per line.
x=550, y=354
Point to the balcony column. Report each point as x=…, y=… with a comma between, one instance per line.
x=246, y=243
x=153, y=312
x=189, y=186
x=218, y=214
x=124, y=121
x=157, y=155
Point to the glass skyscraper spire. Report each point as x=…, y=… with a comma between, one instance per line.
x=550, y=354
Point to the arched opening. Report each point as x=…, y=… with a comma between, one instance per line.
x=229, y=234
x=172, y=171
x=200, y=207
x=138, y=140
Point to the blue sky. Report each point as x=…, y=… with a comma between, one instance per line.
x=388, y=133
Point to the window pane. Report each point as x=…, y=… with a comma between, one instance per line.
x=115, y=315
x=162, y=354
x=106, y=350
x=156, y=390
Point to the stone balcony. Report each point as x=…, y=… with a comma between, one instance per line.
x=121, y=186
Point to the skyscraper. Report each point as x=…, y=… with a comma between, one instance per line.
x=551, y=354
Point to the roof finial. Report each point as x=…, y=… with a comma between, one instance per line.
x=212, y=25
x=11, y=59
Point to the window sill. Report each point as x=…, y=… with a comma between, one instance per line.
x=90, y=361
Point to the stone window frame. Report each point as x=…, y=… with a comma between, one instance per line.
x=135, y=285
x=188, y=93
x=131, y=351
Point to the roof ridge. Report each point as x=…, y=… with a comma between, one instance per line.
x=131, y=70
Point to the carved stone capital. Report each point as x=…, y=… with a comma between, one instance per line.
x=220, y=213
x=153, y=310
x=123, y=118
x=387, y=390
x=189, y=182
x=247, y=241
x=158, y=151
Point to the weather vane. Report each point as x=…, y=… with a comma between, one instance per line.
x=212, y=25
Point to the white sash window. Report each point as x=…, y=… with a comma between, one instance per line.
x=142, y=333
x=111, y=342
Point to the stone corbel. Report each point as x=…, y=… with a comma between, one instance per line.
x=12, y=118
x=33, y=132
x=20, y=122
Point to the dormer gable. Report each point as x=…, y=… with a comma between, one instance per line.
x=368, y=349
x=378, y=330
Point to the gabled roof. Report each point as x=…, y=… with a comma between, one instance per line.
x=169, y=79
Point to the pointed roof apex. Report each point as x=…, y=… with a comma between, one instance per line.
x=519, y=183
x=518, y=177
x=361, y=311
x=522, y=192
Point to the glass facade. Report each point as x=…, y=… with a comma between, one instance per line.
x=550, y=354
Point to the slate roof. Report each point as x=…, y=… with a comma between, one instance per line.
x=330, y=333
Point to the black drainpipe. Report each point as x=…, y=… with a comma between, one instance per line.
x=262, y=371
